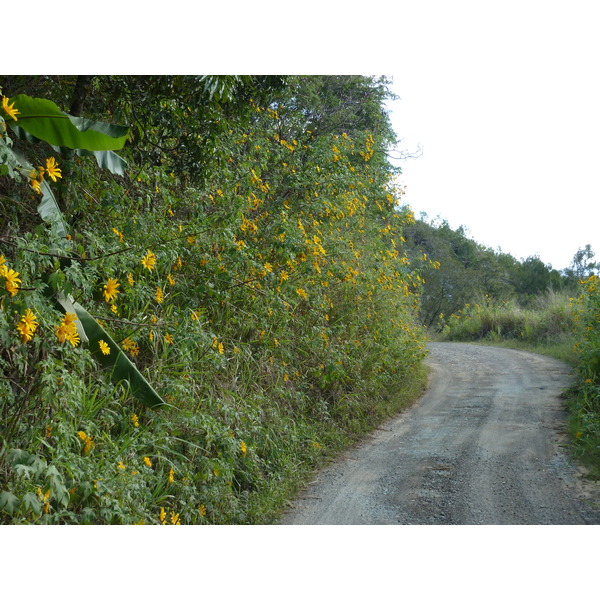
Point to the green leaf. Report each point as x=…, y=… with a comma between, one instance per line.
x=8, y=502
x=121, y=368
x=50, y=211
x=31, y=502
x=107, y=160
x=43, y=119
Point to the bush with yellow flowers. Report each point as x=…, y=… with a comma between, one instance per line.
x=584, y=396
x=182, y=349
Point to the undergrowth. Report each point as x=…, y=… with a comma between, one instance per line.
x=269, y=305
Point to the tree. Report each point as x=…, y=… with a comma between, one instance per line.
x=583, y=264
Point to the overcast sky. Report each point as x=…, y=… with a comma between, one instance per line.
x=505, y=105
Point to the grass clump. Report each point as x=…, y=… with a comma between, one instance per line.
x=547, y=326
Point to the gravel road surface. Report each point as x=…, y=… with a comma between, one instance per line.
x=484, y=445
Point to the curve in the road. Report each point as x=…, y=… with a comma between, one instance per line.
x=484, y=445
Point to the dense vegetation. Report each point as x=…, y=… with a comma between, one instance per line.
x=479, y=294
x=201, y=305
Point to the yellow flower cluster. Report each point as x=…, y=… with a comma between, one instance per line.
x=44, y=498
x=162, y=517
x=67, y=330
x=370, y=142
x=130, y=346
x=88, y=443
x=217, y=345
x=11, y=277
x=27, y=326
x=36, y=176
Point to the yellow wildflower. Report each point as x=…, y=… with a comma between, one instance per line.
x=243, y=448
x=27, y=326
x=171, y=476
x=302, y=293
x=159, y=295
x=104, y=347
x=162, y=516
x=88, y=443
x=118, y=233
x=169, y=338
x=67, y=331
x=202, y=510
x=9, y=108
x=44, y=498
x=12, y=280
x=149, y=261
x=130, y=279
x=52, y=169
x=121, y=465
x=131, y=347
x=175, y=518
x=36, y=185
x=147, y=461
x=135, y=420
x=170, y=279
x=111, y=289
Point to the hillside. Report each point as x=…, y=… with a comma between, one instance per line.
x=202, y=303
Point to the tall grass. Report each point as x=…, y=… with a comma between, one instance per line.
x=546, y=326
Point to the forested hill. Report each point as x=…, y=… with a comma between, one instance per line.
x=469, y=271
x=204, y=291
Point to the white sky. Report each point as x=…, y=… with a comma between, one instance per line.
x=505, y=104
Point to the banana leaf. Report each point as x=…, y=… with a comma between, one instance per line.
x=43, y=119
x=120, y=367
x=106, y=159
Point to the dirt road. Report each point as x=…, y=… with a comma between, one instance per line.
x=482, y=446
